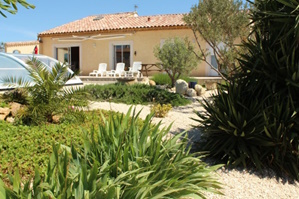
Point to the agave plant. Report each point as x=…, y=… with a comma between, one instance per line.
x=121, y=160
x=47, y=96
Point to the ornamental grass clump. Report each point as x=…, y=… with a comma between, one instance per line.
x=121, y=160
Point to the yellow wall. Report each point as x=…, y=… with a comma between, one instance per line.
x=24, y=49
x=93, y=52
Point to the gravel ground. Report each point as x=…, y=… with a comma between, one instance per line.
x=237, y=183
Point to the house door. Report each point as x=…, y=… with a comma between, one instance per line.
x=70, y=56
x=122, y=53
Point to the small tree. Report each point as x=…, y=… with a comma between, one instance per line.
x=220, y=23
x=11, y=6
x=176, y=57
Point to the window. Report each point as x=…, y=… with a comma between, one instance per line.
x=122, y=53
x=214, y=61
x=16, y=52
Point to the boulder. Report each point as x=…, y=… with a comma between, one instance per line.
x=181, y=86
x=14, y=108
x=56, y=118
x=211, y=85
x=191, y=92
x=198, y=89
x=163, y=87
x=203, y=90
x=152, y=83
x=145, y=81
x=4, y=112
x=10, y=119
x=171, y=90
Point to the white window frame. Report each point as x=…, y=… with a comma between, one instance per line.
x=111, y=51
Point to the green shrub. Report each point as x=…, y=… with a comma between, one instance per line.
x=164, y=79
x=28, y=147
x=121, y=160
x=135, y=94
x=18, y=95
x=161, y=110
x=254, y=118
x=3, y=104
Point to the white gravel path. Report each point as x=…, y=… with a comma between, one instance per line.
x=237, y=184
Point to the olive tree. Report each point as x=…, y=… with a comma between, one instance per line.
x=220, y=23
x=176, y=57
x=11, y=6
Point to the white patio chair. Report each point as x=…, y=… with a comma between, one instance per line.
x=119, y=70
x=135, y=69
x=101, y=70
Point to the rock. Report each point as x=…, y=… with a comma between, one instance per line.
x=145, y=81
x=171, y=90
x=198, y=89
x=203, y=90
x=10, y=119
x=152, y=83
x=211, y=85
x=14, y=108
x=56, y=118
x=181, y=86
x=163, y=87
x=131, y=82
x=191, y=92
x=4, y=112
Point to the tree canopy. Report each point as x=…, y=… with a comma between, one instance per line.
x=11, y=6
x=221, y=23
x=176, y=57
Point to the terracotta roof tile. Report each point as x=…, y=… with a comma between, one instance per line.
x=21, y=43
x=118, y=21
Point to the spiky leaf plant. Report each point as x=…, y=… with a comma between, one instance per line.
x=122, y=160
x=47, y=97
x=254, y=118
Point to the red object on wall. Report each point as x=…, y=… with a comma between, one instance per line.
x=35, y=50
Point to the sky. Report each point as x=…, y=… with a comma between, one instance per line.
x=27, y=23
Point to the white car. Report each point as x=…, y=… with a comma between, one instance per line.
x=15, y=64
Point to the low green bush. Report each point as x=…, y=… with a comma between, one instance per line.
x=28, y=147
x=121, y=159
x=134, y=94
x=161, y=110
x=3, y=104
x=164, y=79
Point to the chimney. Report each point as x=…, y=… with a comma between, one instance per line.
x=148, y=19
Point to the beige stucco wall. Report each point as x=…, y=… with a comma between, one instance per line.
x=24, y=49
x=93, y=52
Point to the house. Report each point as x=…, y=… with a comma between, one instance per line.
x=112, y=38
x=25, y=47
